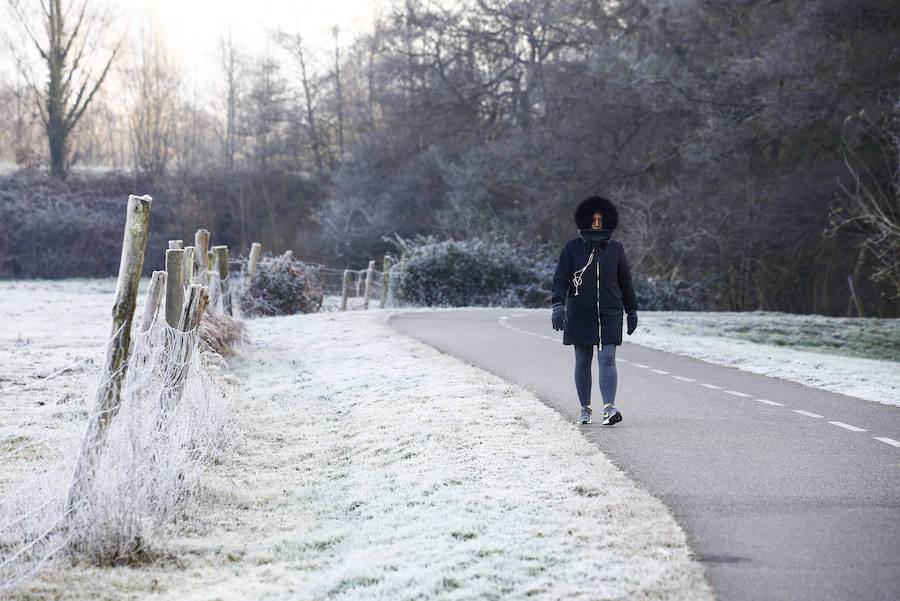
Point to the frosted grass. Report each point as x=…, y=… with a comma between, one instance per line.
x=372, y=467
x=855, y=357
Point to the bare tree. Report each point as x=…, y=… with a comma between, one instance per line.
x=294, y=45
x=340, y=98
x=155, y=81
x=73, y=40
x=231, y=61
x=870, y=206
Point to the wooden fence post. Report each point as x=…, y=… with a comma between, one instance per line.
x=401, y=278
x=201, y=247
x=109, y=393
x=370, y=275
x=154, y=296
x=221, y=253
x=345, y=289
x=188, y=266
x=174, y=285
x=385, y=281
x=255, y=252
x=176, y=244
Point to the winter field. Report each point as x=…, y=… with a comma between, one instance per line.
x=369, y=466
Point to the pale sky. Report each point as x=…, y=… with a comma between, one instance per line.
x=194, y=26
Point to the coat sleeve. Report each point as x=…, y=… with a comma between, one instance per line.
x=562, y=277
x=629, y=298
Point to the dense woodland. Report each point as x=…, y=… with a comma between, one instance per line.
x=753, y=146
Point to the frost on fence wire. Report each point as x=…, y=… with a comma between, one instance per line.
x=173, y=418
x=332, y=281
x=218, y=289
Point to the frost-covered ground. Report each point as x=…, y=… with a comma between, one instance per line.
x=372, y=467
x=856, y=357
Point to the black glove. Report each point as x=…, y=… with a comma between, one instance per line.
x=559, y=316
x=632, y=322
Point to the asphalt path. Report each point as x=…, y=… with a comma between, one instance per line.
x=785, y=492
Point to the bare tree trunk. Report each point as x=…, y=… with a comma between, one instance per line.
x=68, y=44
x=340, y=99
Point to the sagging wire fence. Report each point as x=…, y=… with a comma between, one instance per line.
x=109, y=485
x=283, y=285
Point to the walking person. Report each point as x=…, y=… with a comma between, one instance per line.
x=591, y=289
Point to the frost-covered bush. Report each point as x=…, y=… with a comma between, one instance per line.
x=456, y=273
x=281, y=286
x=662, y=294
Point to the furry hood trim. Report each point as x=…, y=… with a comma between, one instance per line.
x=584, y=214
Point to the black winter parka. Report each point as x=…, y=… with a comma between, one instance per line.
x=593, y=312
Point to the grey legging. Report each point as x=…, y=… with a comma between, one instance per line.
x=606, y=359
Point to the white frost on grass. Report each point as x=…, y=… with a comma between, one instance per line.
x=704, y=336
x=382, y=469
x=374, y=467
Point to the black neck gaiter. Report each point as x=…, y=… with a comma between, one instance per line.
x=596, y=239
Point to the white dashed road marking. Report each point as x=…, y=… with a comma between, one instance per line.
x=890, y=441
x=806, y=413
x=504, y=321
x=768, y=402
x=847, y=426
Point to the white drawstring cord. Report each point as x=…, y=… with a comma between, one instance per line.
x=576, y=277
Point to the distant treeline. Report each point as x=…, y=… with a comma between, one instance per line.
x=733, y=134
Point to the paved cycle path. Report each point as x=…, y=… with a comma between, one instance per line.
x=785, y=492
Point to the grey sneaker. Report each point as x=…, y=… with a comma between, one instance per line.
x=585, y=415
x=611, y=415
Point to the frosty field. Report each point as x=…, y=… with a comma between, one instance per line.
x=855, y=357
x=370, y=467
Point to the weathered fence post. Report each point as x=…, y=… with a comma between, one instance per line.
x=201, y=247
x=154, y=296
x=345, y=289
x=370, y=275
x=400, y=279
x=108, y=397
x=221, y=254
x=176, y=244
x=385, y=281
x=255, y=252
x=198, y=299
x=174, y=285
x=188, y=266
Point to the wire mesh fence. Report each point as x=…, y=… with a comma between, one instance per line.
x=173, y=418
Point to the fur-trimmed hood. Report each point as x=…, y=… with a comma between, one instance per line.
x=584, y=214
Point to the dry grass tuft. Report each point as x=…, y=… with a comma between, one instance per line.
x=219, y=332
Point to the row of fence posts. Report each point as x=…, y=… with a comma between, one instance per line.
x=370, y=278
x=176, y=281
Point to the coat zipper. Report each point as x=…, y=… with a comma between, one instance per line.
x=599, y=340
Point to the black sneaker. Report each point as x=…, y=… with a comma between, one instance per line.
x=611, y=415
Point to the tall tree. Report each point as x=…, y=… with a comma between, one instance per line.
x=155, y=82
x=73, y=41
x=230, y=61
